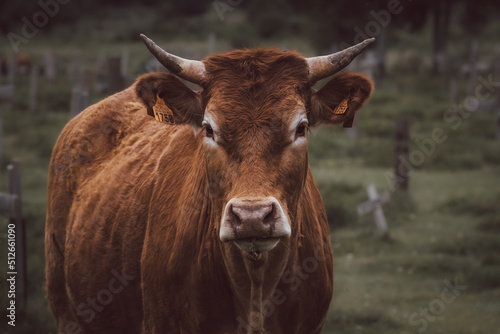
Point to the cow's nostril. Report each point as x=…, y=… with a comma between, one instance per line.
x=269, y=218
x=234, y=218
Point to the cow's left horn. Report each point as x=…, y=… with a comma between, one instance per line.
x=324, y=66
x=191, y=70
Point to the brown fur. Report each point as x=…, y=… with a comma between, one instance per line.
x=133, y=196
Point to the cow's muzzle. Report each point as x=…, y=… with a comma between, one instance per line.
x=255, y=225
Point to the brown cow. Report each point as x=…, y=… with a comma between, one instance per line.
x=210, y=225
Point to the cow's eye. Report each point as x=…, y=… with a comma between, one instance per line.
x=209, y=132
x=301, y=130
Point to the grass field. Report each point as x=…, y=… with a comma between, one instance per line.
x=444, y=229
x=379, y=284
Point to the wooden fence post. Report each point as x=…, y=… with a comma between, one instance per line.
x=472, y=67
x=453, y=92
x=88, y=81
x=50, y=68
x=33, y=88
x=380, y=54
x=211, y=43
x=453, y=96
x=352, y=132
x=401, y=168
x=11, y=78
x=124, y=62
x=496, y=75
x=1, y=136
x=75, y=71
x=11, y=69
x=80, y=100
x=14, y=173
x=101, y=82
x=115, y=78
x=6, y=93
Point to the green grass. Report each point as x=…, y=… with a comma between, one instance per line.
x=391, y=280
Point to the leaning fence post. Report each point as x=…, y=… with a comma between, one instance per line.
x=374, y=204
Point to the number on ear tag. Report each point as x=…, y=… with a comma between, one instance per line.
x=163, y=113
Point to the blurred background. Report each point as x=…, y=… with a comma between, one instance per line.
x=428, y=140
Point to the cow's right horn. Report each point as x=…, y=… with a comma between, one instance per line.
x=191, y=70
x=324, y=66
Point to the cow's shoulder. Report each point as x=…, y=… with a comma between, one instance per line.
x=97, y=134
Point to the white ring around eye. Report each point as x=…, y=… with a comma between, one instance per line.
x=300, y=120
x=207, y=124
x=209, y=120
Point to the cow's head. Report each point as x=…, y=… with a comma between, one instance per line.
x=254, y=112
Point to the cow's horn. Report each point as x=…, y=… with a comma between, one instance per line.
x=324, y=66
x=191, y=70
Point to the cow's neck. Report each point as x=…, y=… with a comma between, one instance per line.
x=253, y=282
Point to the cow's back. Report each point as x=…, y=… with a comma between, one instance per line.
x=102, y=175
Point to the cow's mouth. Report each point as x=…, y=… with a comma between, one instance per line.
x=255, y=245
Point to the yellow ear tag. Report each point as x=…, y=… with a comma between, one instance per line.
x=342, y=107
x=163, y=113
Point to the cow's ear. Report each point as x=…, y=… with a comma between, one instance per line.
x=184, y=104
x=339, y=99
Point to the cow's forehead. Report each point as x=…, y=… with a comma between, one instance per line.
x=257, y=87
x=255, y=71
x=256, y=60
x=233, y=112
